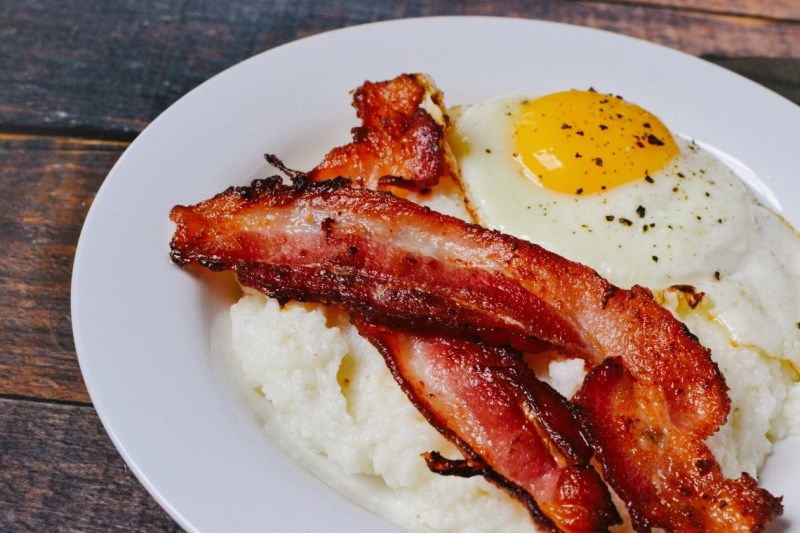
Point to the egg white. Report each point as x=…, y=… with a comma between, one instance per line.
x=692, y=223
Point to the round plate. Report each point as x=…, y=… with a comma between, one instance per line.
x=142, y=326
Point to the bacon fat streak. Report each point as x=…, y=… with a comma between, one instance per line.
x=398, y=264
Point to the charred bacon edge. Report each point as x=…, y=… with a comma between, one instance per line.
x=276, y=162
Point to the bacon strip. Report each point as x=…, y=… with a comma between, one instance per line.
x=400, y=141
x=399, y=264
x=516, y=431
x=673, y=478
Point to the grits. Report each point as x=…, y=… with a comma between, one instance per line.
x=332, y=396
x=339, y=411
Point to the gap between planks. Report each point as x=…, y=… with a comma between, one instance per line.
x=46, y=401
x=90, y=136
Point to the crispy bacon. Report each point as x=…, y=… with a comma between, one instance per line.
x=396, y=263
x=401, y=140
x=669, y=478
x=333, y=244
x=513, y=429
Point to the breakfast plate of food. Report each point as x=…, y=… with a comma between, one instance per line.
x=415, y=280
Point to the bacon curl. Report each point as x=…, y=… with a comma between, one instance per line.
x=401, y=140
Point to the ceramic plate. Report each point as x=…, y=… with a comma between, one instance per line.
x=142, y=325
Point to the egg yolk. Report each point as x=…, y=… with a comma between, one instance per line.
x=584, y=142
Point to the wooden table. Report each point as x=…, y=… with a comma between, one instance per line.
x=79, y=81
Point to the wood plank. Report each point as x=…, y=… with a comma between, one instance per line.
x=47, y=187
x=781, y=10
x=695, y=32
x=60, y=472
x=108, y=70
x=779, y=75
x=81, y=69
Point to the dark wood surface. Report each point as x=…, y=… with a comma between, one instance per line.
x=79, y=80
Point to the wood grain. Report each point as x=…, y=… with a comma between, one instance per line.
x=107, y=70
x=80, y=79
x=47, y=187
x=60, y=472
x=779, y=10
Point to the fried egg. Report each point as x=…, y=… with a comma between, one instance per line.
x=604, y=182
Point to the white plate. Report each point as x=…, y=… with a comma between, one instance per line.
x=141, y=325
